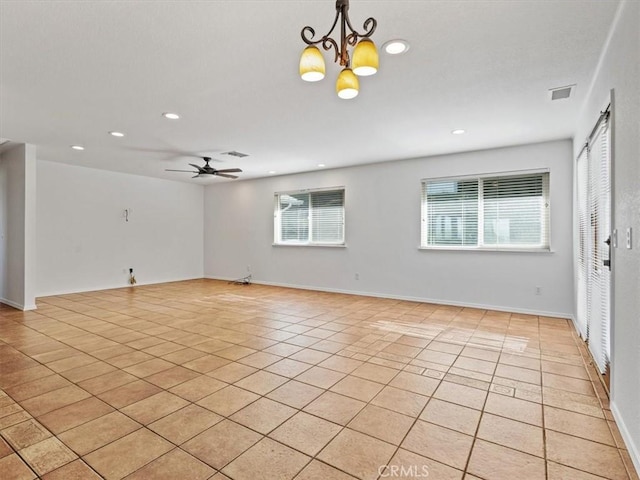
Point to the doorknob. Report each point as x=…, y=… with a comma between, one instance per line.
x=607, y=262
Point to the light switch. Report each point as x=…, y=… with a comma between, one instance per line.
x=614, y=238
x=629, y=238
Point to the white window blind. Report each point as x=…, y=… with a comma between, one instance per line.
x=310, y=217
x=498, y=211
x=584, y=226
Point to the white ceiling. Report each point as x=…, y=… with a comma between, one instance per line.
x=72, y=71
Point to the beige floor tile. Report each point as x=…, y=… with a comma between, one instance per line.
x=450, y=415
x=75, y=414
x=232, y=372
x=261, y=382
x=511, y=433
x=585, y=455
x=415, y=383
x=272, y=459
x=79, y=374
x=584, y=426
x=288, y=368
x=311, y=356
x=306, y=433
x=76, y=470
x=574, y=371
x=381, y=423
x=569, y=384
x=109, y=381
x=357, y=454
x=228, y=400
x=54, y=399
x=174, y=465
x=263, y=415
x=295, y=394
x=152, y=408
x=493, y=462
x=126, y=455
x=38, y=387
x=99, y=432
x=259, y=359
x=335, y=408
x=401, y=401
x=47, y=455
x=340, y=364
x=375, y=373
x=25, y=434
x=149, y=367
x=358, y=388
x=441, y=444
x=518, y=373
x=283, y=349
x=406, y=464
x=235, y=353
x=206, y=363
x=129, y=393
x=172, y=377
x=198, y=388
x=514, y=408
x=183, y=356
x=221, y=443
x=321, y=471
x=475, y=365
x=5, y=449
x=13, y=468
x=556, y=471
x=186, y=423
x=320, y=377
x=461, y=394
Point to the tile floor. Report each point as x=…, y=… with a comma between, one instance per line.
x=206, y=380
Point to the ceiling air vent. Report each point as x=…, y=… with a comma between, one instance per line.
x=233, y=153
x=561, y=92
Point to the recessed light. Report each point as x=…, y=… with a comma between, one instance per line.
x=171, y=116
x=116, y=134
x=395, y=47
x=458, y=132
x=321, y=165
x=77, y=147
x=272, y=172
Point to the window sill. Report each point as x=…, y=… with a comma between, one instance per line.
x=489, y=249
x=322, y=245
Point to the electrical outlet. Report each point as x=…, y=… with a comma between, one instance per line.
x=538, y=290
x=357, y=276
x=249, y=268
x=629, y=238
x=124, y=270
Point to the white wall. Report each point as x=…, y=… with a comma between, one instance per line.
x=619, y=70
x=383, y=234
x=84, y=242
x=17, y=244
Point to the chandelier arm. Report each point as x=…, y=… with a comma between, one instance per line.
x=369, y=27
x=308, y=30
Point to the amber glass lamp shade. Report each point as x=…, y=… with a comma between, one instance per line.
x=312, y=67
x=365, y=58
x=347, y=84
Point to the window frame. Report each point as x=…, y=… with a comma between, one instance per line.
x=480, y=246
x=277, y=225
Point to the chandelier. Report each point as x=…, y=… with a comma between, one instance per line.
x=365, y=55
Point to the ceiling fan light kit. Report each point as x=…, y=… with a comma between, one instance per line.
x=365, y=55
x=208, y=170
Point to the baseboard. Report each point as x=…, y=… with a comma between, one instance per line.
x=115, y=287
x=498, y=308
x=634, y=450
x=18, y=306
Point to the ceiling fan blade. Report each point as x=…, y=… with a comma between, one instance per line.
x=225, y=175
x=229, y=170
x=196, y=167
x=187, y=171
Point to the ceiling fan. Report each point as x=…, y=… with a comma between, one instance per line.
x=208, y=170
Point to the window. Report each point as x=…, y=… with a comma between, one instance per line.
x=309, y=217
x=507, y=211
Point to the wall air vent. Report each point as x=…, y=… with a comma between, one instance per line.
x=561, y=93
x=233, y=153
